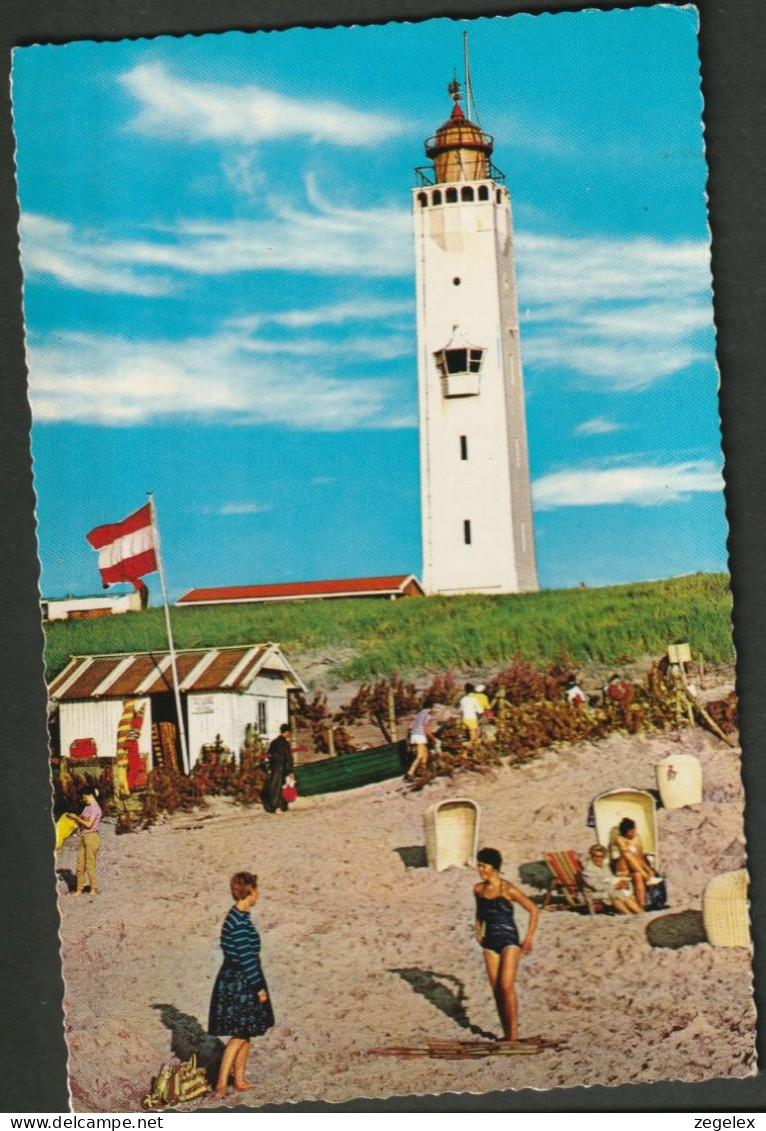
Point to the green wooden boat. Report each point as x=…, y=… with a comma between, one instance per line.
x=349, y=771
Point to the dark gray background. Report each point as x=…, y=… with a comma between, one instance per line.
x=33, y=1064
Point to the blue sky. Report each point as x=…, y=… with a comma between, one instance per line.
x=219, y=292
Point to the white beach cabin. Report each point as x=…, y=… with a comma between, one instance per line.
x=224, y=691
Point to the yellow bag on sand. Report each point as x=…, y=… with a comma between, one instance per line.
x=65, y=826
x=177, y=1084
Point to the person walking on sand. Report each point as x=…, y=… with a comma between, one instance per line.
x=420, y=735
x=498, y=935
x=240, y=1006
x=470, y=711
x=280, y=766
x=89, y=822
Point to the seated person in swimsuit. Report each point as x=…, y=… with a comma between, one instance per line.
x=616, y=891
x=632, y=860
x=498, y=935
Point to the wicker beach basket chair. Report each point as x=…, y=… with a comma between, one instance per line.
x=452, y=833
x=637, y=804
x=724, y=909
x=679, y=780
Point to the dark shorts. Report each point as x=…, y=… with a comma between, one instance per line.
x=497, y=941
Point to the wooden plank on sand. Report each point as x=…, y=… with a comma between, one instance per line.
x=470, y=1050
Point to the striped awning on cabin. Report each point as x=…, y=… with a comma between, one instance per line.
x=149, y=673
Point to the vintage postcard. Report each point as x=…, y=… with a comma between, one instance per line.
x=393, y=735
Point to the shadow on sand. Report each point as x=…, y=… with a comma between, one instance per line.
x=443, y=991
x=187, y=1036
x=535, y=874
x=413, y=856
x=68, y=877
x=685, y=928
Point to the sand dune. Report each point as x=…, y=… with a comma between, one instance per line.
x=365, y=946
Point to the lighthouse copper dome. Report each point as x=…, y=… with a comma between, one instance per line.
x=460, y=150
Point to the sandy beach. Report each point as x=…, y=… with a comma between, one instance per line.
x=365, y=946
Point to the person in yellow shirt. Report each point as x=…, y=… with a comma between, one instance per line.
x=479, y=694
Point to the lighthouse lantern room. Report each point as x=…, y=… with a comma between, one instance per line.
x=475, y=487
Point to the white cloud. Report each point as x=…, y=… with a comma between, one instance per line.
x=245, y=508
x=118, y=381
x=316, y=238
x=598, y=426
x=86, y=261
x=642, y=485
x=243, y=175
x=620, y=313
x=334, y=314
x=188, y=110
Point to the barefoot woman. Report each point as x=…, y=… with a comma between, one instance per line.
x=497, y=933
x=240, y=1007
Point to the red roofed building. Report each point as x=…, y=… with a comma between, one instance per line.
x=400, y=585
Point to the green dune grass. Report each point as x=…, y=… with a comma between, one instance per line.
x=613, y=625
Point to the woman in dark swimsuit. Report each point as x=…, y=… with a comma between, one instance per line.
x=497, y=933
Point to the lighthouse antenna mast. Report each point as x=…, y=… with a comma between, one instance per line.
x=470, y=101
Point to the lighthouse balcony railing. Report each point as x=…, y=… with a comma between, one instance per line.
x=426, y=175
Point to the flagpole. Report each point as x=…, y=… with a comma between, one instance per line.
x=173, y=666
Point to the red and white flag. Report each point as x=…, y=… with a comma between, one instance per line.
x=126, y=550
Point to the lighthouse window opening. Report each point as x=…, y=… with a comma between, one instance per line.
x=464, y=447
x=483, y=192
x=466, y=193
x=456, y=281
x=422, y=200
x=437, y=197
x=451, y=196
x=474, y=360
x=467, y=531
x=456, y=361
x=498, y=196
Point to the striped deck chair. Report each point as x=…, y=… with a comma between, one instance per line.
x=566, y=876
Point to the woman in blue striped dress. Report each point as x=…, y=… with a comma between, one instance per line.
x=240, y=1007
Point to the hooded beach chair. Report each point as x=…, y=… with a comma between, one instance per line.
x=725, y=911
x=610, y=808
x=452, y=833
x=566, y=876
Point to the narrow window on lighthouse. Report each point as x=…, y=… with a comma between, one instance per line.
x=474, y=362
x=467, y=531
x=422, y=200
x=466, y=193
x=464, y=447
x=451, y=196
x=483, y=192
x=437, y=197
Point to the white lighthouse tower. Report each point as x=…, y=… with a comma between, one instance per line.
x=474, y=468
